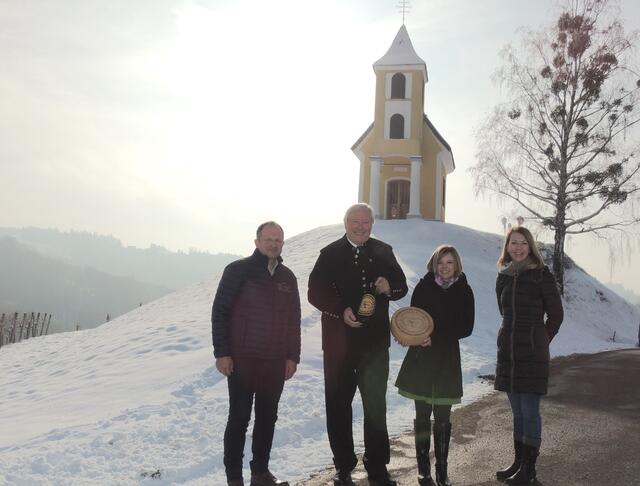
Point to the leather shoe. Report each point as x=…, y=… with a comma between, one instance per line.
x=266, y=479
x=382, y=479
x=343, y=478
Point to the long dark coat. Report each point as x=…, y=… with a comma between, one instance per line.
x=436, y=370
x=524, y=337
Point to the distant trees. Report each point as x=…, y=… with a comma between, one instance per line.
x=563, y=145
x=13, y=328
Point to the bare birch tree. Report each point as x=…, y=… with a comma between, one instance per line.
x=564, y=146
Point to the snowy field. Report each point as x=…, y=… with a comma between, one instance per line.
x=138, y=400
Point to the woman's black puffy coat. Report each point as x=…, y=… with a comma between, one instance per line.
x=524, y=337
x=435, y=370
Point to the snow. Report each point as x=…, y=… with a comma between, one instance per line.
x=140, y=395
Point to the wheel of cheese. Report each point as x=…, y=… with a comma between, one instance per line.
x=411, y=325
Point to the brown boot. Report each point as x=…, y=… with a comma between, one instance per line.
x=266, y=479
x=343, y=478
x=381, y=479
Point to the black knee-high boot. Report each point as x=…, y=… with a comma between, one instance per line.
x=511, y=470
x=527, y=472
x=422, y=433
x=441, y=437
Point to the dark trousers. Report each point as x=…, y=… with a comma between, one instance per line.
x=367, y=371
x=264, y=380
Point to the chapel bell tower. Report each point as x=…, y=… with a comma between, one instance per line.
x=404, y=161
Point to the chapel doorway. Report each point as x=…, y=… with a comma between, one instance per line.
x=398, y=199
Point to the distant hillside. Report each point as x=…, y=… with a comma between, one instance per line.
x=155, y=265
x=31, y=282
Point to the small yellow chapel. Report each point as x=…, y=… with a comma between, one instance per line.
x=404, y=161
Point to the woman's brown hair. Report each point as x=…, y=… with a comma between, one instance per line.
x=534, y=253
x=441, y=251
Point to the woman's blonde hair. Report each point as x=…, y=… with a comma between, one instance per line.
x=534, y=253
x=441, y=251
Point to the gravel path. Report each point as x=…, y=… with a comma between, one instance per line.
x=591, y=430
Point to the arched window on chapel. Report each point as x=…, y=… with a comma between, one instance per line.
x=396, y=126
x=398, y=85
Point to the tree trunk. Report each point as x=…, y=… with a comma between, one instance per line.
x=560, y=216
x=558, y=257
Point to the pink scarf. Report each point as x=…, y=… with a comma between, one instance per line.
x=445, y=284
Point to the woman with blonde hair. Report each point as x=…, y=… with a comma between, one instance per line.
x=531, y=309
x=431, y=373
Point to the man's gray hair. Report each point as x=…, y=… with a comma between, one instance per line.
x=359, y=207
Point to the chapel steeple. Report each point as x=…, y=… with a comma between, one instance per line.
x=404, y=161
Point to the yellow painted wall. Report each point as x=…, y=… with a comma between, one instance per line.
x=398, y=152
x=430, y=150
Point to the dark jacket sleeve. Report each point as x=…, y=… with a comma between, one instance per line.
x=323, y=293
x=465, y=314
x=396, y=278
x=552, y=303
x=293, y=345
x=228, y=287
x=499, y=286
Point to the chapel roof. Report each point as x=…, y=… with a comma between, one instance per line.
x=401, y=53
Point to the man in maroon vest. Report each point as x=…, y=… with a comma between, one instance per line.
x=256, y=342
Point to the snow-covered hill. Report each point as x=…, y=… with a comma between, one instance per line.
x=138, y=400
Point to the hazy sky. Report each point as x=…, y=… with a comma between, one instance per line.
x=186, y=123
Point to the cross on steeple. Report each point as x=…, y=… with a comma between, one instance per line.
x=403, y=7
